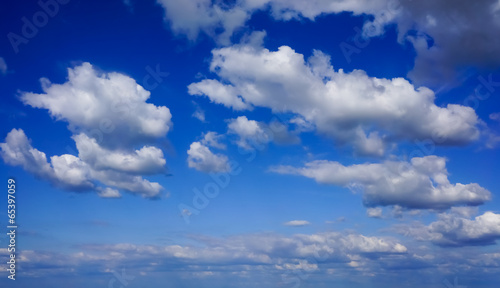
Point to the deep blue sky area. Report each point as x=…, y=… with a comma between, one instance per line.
x=245, y=143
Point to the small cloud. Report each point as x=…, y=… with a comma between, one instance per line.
x=374, y=212
x=495, y=116
x=297, y=223
x=109, y=193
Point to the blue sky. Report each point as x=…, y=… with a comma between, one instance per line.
x=251, y=143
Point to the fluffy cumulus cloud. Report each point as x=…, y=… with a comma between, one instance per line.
x=147, y=160
x=352, y=108
x=457, y=228
x=434, y=28
x=250, y=132
x=112, y=104
x=112, y=118
x=421, y=183
x=201, y=158
x=66, y=171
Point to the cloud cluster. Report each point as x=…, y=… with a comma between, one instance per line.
x=352, y=108
x=273, y=251
x=108, y=103
x=421, y=183
x=434, y=28
x=258, y=258
x=220, y=19
x=66, y=171
x=109, y=116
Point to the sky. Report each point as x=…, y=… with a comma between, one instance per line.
x=251, y=143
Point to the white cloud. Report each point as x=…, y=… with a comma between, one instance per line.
x=192, y=17
x=147, y=160
x=66, y=171
x=449, y=24
x=70, y=172
x=111, y=105
x=374, y=212
x=255, y=135
x=366, y=244
x=297, y=223
x=3, y=66
x=273, y=251
x=263, y=257
x=221, y=94
x=18, y=151
x=250, y=132
x=202, y=159
x=421, y=183
x=130, y=183
x=484, y=229
x=457, y=229
x=349, y=107
x=219, y=19
x=109, y=116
